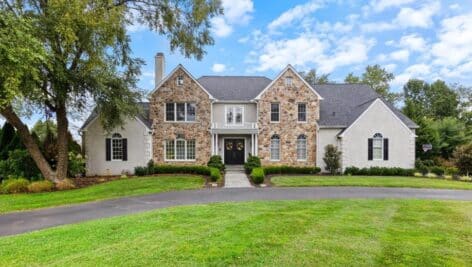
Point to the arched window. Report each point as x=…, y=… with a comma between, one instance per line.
x=377, y=147
x=301, y=147
x=275, y=147
x=116, y=147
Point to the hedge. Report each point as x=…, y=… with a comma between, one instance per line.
x=379, y=171
x=215, y=174
x=257, y=175
x=290, y=170
x=167, y=169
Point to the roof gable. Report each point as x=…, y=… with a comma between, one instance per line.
x=289, y=67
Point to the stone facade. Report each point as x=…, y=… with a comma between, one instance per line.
x=288, y=128
x=191, y=92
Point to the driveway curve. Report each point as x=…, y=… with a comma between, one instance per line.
x=21, y=222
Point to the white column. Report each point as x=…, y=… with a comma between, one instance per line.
x=217, y=151
x=212, y=144
x=256, y=144
x=252, y=144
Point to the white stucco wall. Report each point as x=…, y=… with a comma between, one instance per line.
x=378, y=118
x=139, y=148
x=325, y=137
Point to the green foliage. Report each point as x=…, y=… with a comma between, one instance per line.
x=141, y=171
x=76, y=165
x=453, y=171
x=379, y=171
x=282, y=169
x=14, y=186
x=19, y=164
x=9, y=141
x=452, y=133
x=378, y=78
x=251, y=163
x=216, y=162
x=65, y=184
x=257, y=175
x=332, y=159
x=161, y=169
x=313, y=78
x=41, y=186
x=215, y=174
x=351, y=78
x=439, y=171
x=463, y=158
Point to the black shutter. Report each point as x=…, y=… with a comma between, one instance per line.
x=385, y=148
x=108, y=149
x=125, y=149
x=370, y=152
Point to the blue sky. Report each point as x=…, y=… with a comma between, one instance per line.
x=427, y=39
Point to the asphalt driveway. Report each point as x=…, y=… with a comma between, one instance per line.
x=20, y=222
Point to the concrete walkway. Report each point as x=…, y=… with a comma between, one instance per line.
x=20, y=222
x=235, y=177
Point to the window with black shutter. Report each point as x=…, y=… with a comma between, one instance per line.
x=385, y=148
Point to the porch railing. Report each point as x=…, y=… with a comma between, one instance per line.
x=245, y=125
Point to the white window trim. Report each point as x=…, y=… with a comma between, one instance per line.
x=381, y=148
x=270, y=113
x=175, y=112
x=177, y=80
x=111, y=149
x=175, y=151
x=233, y=107
x=306, y=112
x=306, y=149
x=270, y=150
x=288, y=78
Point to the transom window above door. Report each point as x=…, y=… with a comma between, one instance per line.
x=234, y=115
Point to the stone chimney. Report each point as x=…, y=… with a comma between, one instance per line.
x=159, y=68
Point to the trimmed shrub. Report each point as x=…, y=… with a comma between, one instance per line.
x=251, y=163
x=282, y=169
x=332, y=159
x=65, y=184
x=140, y=171
x=14, y=186
x=379, y=171
x=41, y=186
x=202, y=170
x=76, y=165
x=439, y=171
x=216, y=162
x=150, y=167
x=215, y=174
x=257, y=175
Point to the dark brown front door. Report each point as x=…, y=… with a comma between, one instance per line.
x=234, y=151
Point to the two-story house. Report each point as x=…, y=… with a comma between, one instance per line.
x=283, y=121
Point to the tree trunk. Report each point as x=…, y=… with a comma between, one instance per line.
x=29, y=143
x=62, y=141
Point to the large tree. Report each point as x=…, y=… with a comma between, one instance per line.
x=315, y=78
x=79, y=51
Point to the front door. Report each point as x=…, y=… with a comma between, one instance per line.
x=234, y=151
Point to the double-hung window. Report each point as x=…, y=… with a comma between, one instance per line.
x=234, y=115
x=301, y=147
x=181, y=112
x=180, y=149
x=377, y=147
x=116, y=147
x=274, y=112
x=275, y=148
x=301, y=112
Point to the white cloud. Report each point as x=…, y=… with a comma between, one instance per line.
x=217, y=67
x=372, y=27
x=220, y=28
x=420, y=71
x=413, y=42
x=235, y=13
x=296, y=13
x=381, y=5
x=400, y=55
x=454, y=41
x=421, y=17
x=348, y=51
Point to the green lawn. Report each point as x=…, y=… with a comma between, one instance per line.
x=273, y=233
x=369, y=181
x=113, y=189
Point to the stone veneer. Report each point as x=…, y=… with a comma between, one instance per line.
x=288, y=128
x=190, y=91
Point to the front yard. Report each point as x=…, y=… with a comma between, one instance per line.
x=372, y=181
x=269, y=233
x=113, y=189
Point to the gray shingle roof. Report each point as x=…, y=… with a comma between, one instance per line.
x=344, y=103
x=142, y=116
x=242, y=88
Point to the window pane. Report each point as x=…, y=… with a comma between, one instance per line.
x=301, y=112
x=229, y=115
x=117, y=148
x=275, y=149
x=191, y=110
x=191, y=149
x=301, y=148
x=170, y=149
x=377, y=148
x=180, y=111
x=170, y=111
x=377, y=153
x=238, y=111
x=180, y=149
x=274, y=112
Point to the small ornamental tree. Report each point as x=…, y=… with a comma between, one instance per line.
x=463, y=158
x=332, y=159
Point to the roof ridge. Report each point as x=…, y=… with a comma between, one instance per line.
x=232, y=76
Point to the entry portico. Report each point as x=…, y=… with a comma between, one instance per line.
x=234, y=143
